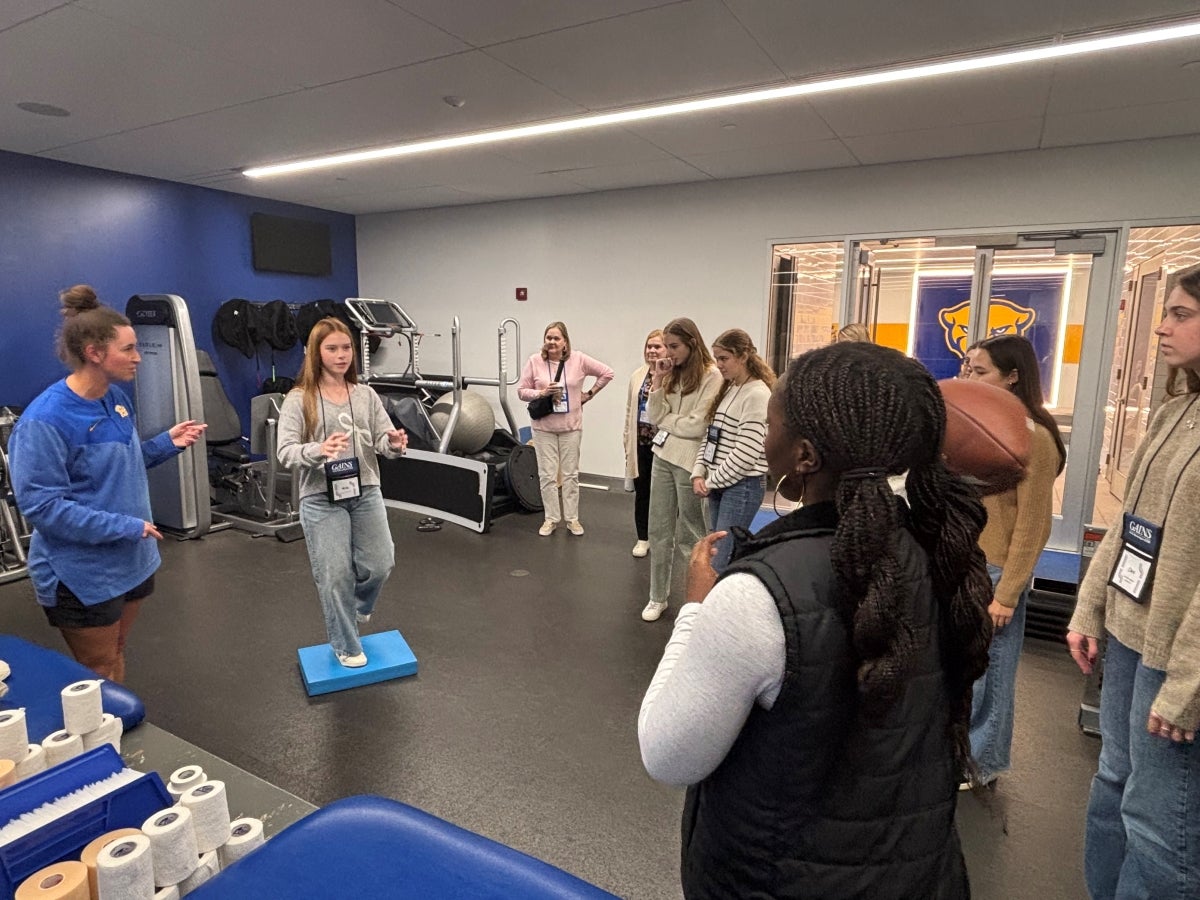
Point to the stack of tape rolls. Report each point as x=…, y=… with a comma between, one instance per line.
x=82, y=708
x=208, y=867
x=184, y=778
x=60, y=746
x=173, y=844
x=209, y=806
x=107, y=732
x=62, y=881
x=244, y=835
x=125, y=869
x=92, y=851
x=34, y=762
x=14, y=735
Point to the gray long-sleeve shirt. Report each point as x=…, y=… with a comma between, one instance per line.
x=368, y=426
x=724, y=656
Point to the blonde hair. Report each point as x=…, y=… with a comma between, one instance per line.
x=86, y=323
x=308, y=381
x=562, y=328
x=855, y=331
x=738, y=343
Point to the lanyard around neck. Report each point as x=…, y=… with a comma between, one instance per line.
x=1179, y=475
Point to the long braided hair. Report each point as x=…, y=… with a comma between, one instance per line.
x=872, y=412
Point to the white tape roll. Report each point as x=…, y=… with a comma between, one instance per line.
x=244, y=835
x=210, y=811
x=125, y=869
x=208, y=868
x=81, y=704
x=110, y=731
x=60, y=746
x=188, y=776
x=173, y=842
x=34, y=762
x=14, y=736
x=5, y=671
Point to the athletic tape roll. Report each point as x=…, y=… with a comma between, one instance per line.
x=244, y=835
x=66, y=880
x=14, y=735
x=188, y=776
x=125, y=869
x=34, y=762
x=110, y=731
x=60, y=746
x=92, y=850
x=173, y=844
x=210, y=811
x=209, y=866
x=82, y=709
x=8, y=773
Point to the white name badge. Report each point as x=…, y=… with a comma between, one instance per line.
x=1140, y=540
x=561, y=405
x=660, y=438
x=711, y=443
x=342, y=480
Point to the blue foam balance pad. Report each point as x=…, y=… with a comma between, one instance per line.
x=388, y=657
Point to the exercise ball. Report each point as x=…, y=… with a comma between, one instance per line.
x=476, y=422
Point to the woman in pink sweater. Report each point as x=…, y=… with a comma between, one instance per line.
x=557, y=371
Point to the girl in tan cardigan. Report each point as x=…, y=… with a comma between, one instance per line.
x=1017, y=529
x=638, y=434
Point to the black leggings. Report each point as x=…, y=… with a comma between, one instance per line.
x=641, y=487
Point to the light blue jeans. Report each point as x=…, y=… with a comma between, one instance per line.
x=1143, y=820
x=352, y=555
x=676, y=523
x=994, y=694
x=734, y=505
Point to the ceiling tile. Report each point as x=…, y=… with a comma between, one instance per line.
x=1128, y=124
x=939, y=143
x=774, y=159
x=13, y=12
x=109, y=91
x=680, y=50
x=780, y=122
x=1128, y=77
x=628, y=175
x=963, y=99
x=314, y=41
x=562, y=153
x=494, y=21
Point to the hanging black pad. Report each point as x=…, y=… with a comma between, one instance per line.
x=236, y=324
x=276, y=325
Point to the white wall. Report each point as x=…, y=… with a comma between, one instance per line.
x=614, y=265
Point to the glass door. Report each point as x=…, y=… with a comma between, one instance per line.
x=933, y=297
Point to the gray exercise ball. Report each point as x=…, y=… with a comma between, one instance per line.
x=476, y=421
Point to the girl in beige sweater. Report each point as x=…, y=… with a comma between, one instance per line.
x=1143, y=822
x=1017, y=529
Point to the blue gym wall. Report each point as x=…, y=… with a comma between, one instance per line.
x=63, y=224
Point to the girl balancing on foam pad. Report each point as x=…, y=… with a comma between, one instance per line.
x=331, y=429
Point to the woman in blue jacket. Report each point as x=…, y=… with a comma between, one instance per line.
x=79, y=475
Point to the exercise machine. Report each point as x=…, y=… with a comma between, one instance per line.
x=475, y=471
x=167, y=391
x=256, y=496
x=14, y=530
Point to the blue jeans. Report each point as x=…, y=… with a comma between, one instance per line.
x=734, y=505
x=994, y=694
x=352, y=555
x=1143, y=819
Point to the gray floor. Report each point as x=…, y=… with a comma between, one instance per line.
x=521, y=724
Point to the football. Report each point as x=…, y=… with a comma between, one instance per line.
x=987, y=434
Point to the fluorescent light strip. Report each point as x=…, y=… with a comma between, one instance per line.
x=912, y=73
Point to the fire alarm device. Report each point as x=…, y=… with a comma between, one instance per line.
x=522, y=293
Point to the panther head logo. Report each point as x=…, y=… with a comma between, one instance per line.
x=1004, y=317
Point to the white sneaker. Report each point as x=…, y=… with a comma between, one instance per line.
x=641, y=548
x=547, y=528
x=653, y=611
x=362, y=619
x=357, y=661
x=575, y=528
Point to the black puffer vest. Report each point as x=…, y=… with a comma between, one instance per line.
x=814, y=800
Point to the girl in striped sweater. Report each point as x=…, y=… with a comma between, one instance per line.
x=731, y=467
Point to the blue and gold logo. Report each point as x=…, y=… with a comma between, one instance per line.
x=1004, y=317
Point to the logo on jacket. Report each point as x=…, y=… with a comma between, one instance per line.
x=121, y=411
x=1004, y=317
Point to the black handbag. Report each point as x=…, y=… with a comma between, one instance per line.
x=541, y=407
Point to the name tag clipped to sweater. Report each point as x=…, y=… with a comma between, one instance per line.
x=661, y=437
x=342, y=480
x=1134, y=571
x=710, y=446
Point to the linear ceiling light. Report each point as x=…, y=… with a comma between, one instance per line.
x=1077, y=47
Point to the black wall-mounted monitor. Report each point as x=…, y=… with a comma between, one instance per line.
x=295, y=246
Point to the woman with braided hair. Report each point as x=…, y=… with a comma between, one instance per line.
x=816, y=698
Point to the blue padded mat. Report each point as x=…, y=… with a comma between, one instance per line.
x=37, y=679
x=374, y=847
x=388, y=657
